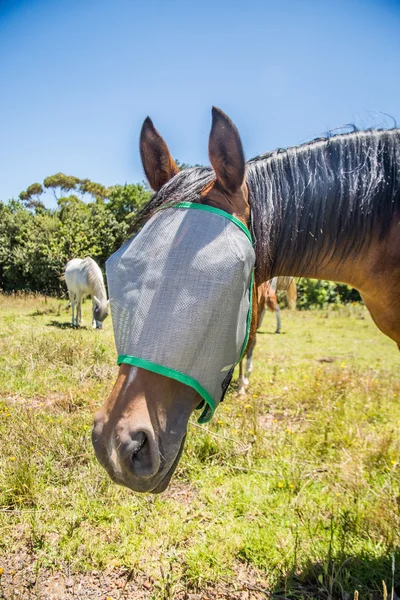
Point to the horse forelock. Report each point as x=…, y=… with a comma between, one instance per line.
x=186, y=186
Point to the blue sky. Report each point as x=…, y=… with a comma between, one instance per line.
x=78, y=78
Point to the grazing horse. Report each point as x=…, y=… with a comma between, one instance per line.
x=267, y=300
x=83, y=276
x=328, y=209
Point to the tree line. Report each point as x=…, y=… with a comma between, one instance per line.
x=89, y=220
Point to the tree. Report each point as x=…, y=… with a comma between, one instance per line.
x=183, y=166
x=30, y=197
x=125, y=201
x=36, y=189
x=65, y=183
x=96, y=190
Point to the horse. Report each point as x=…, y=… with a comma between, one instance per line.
x=83, y=276
x=267, y=300
x=327, y=209
x=287, y=285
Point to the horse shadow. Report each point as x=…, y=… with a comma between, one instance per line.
x=44, y=312
x=64, y=325
x=270, y=333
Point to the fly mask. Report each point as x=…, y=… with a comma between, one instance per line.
x=180, y=294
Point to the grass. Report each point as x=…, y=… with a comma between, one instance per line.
x=293, y=490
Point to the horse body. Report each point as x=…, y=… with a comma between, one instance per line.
x=83, y=277
x=329, y=209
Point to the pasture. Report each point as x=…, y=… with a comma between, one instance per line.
x=290, y=492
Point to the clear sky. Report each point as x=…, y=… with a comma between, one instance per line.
x=78, y=77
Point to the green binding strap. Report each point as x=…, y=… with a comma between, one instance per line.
x=172, y=374
x=249, y=315
x=208, y=412
x=216, y=211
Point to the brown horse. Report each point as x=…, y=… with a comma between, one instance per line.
x=287, y=285
x=329, y=209
x=266, y=300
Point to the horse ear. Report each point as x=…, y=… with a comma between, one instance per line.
x=157, y=161
x=226, y=152
x=96, y=300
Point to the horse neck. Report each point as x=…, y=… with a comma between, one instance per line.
x=98, y=289
x=96, y=284
x=325, y=210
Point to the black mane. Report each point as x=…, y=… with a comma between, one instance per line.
x=323, y=196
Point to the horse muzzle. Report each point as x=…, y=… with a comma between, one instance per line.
x=133, y=458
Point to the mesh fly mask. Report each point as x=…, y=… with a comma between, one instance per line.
x=180, y=294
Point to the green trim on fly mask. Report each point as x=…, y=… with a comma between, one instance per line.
x=216, y=211
x=249, y=316
x=172, y=374
x=142, y=363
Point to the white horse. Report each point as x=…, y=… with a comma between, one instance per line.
x=83, y=276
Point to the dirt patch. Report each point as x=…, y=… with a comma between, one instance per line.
x=24, y=579
x=181, y=492
x=55, y=400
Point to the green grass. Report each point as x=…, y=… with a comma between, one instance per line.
x=294, y=489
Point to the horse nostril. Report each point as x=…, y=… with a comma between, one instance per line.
x=143, y=459
x=138, y=443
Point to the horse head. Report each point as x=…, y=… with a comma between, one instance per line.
x=100, y=311
x=139, y=433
